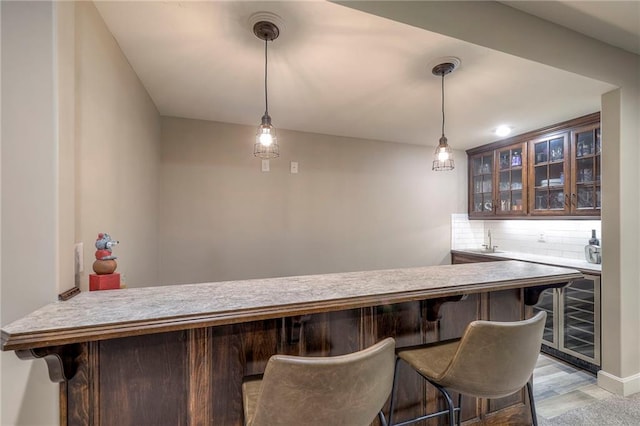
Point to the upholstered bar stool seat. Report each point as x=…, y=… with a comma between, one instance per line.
x=492, y=360
x=342, y=390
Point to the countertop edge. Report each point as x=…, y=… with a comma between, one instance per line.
x=134, y=328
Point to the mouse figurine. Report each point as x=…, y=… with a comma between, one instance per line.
x=105, y=262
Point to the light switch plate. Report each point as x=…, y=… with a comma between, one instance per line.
x=294, y=167
x=265, y=165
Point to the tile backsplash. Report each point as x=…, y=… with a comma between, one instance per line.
x=561, y=238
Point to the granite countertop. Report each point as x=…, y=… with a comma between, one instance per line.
x=581, y=265
x=118, y=313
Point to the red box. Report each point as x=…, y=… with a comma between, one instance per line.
x=104, y=282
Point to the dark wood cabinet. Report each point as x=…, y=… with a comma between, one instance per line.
x=550, y=172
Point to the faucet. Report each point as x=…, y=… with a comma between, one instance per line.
x=489, y=247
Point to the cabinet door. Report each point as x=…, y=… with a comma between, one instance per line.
x=481, y=185
x=586, y=148
x=511, y=180
x=549, y=176
x=580, y=327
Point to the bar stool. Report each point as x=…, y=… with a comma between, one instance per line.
x=342, y=390
x=491, y=360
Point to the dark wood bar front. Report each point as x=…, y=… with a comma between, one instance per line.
x=187, y=369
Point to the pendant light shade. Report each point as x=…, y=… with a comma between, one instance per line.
x=266, y=145
x=443, y=157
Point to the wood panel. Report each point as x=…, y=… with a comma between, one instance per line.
x=143, y=380
x=76, y=408
x=200, y=375
x=226, y=386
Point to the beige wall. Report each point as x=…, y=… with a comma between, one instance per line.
x=118, y=133
x=28, y=198
x=354, y=205
x=517, y=33
x=80, y=155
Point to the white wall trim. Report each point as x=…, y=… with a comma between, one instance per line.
x=624, y=386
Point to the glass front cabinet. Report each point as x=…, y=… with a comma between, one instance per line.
x=572, y=331
x=551, y=172
x=549, y=193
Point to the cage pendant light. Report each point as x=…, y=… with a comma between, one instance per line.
x=443, y=157
x=266, y=145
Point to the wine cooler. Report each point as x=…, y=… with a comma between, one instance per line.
x=572, y=331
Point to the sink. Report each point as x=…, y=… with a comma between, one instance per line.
x=484, y=251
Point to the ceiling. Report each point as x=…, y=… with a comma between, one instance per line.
x=338, y=71
x=614, y=22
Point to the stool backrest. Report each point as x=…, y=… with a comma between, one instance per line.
x=342, y=390
x=495, y=359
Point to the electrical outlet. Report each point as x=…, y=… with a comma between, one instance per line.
x=541, y=238
x=79, y=258
x=265, y=165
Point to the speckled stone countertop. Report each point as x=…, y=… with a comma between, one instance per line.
x=581, y=265
x=118, y=313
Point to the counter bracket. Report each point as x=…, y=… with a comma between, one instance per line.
x=532, y=294
x=62, y=361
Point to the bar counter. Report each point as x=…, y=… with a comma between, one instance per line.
x=177, y=354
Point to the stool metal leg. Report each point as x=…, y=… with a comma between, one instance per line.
x=447, y=397
x=451, y=409
x=459, y=408
x=394, y=389
x=383, y=420
x=534, y=417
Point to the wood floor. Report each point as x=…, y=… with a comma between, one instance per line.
x=559, y=387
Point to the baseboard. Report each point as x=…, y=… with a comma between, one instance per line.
x=624, y=386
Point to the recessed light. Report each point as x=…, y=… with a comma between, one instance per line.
x=503, y=130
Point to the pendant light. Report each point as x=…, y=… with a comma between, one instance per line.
x=443, y=157
x=266, y=145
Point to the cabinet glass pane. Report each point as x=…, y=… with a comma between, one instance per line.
x=579, y=317
x=549, y=175
x=556, y=199
x=586, y=191
x=482, y=184
x=585, y=169
x=586, y=197
x=585, y=145
x=556, y=150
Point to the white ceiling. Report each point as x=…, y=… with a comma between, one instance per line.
x=335, y=70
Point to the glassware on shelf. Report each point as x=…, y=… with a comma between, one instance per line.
x=516, y=159
x=542, y=201
x=504, y=160
x=556, y=200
